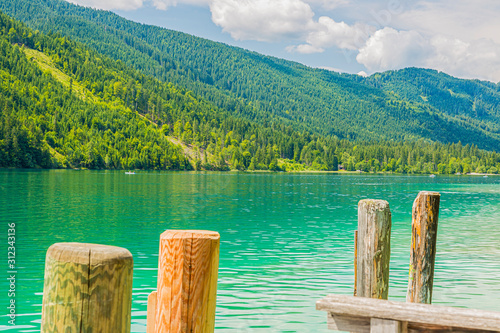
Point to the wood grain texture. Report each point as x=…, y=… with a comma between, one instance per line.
x=425, y=214
x=364, y=325
x=187, y=281
x=415, y=314
x=151, y=319
x=87, y=288
x=373, y=249
x=378, y=325
x=355, y=262
x=428, y=328
x=337, y=322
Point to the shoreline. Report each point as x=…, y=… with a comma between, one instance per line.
x=342, y=172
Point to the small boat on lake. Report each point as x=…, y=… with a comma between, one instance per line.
x=129, y=172
x=432, y=176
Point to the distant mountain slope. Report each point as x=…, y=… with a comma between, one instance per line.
x=65, y=105
x=405, y=105
x=467, y=100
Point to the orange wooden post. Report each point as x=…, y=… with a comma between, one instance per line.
x=423, y=247
x=187, y=282
x=152, y=300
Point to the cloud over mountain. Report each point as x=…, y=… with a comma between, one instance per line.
x=458, y=37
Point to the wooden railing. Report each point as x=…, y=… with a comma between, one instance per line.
x=361, y=314
x=372, y=312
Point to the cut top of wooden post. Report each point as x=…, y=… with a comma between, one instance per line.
x=182, y=234
x=87, y=253
x=373, y=248
x=187, y=281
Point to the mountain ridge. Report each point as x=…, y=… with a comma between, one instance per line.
x=64, y=104
x=265, y=88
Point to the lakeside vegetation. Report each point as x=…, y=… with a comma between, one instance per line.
x=64, y=105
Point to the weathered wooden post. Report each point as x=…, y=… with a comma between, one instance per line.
x=187, y=282
x=373, y=248
x=355, y=263
x=87, y=288
x=423, y=247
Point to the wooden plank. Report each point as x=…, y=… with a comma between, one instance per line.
x=187, y=281
x=373, y=249
x=87, y=288
x=428, y=328
x=410, y=312
x=378, y=325
x=364, y=325
x=150, y=325
x=355, y=262
x=423, y=247
x=347, y=323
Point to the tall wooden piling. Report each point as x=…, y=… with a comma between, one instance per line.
x=87, y=288
x=373, y=249
x=187, y=282
x=355, y=262
x=423, y=247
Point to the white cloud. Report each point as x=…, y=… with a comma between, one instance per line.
x=476, y=59
x=471, y=20
x=110, y=4
x=459, y=37
x=263, y=20
x=390, y=49
x=328, y=33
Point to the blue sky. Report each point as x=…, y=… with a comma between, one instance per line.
x=459, y=37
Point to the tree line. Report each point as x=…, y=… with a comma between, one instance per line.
x=85, y=110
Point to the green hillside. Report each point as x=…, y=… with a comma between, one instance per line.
x=65, y=105
x=470, y=103
x=406, y=105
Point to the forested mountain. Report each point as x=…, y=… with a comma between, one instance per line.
x=65, y=105
x=406, y=105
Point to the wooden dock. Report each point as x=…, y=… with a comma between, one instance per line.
x=372, y=313
x=88, y=287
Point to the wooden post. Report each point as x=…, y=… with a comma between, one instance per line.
x=378, y=325
x=423, y=247
x=87, y=288
x=373, y=249
x=187, y=281
x=355, y=262
x=150, y=323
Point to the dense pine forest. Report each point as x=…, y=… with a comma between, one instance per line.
x=66, y=105
x=401, y=105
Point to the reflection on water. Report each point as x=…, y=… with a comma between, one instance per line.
x=286, y=239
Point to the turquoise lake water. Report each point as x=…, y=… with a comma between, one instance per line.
x=286, y=239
